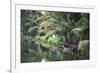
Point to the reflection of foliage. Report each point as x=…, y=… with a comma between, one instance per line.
x=45, y=35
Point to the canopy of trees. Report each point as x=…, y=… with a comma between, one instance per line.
x=54, y=36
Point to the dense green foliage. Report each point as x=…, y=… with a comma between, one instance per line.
x=54, y=36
